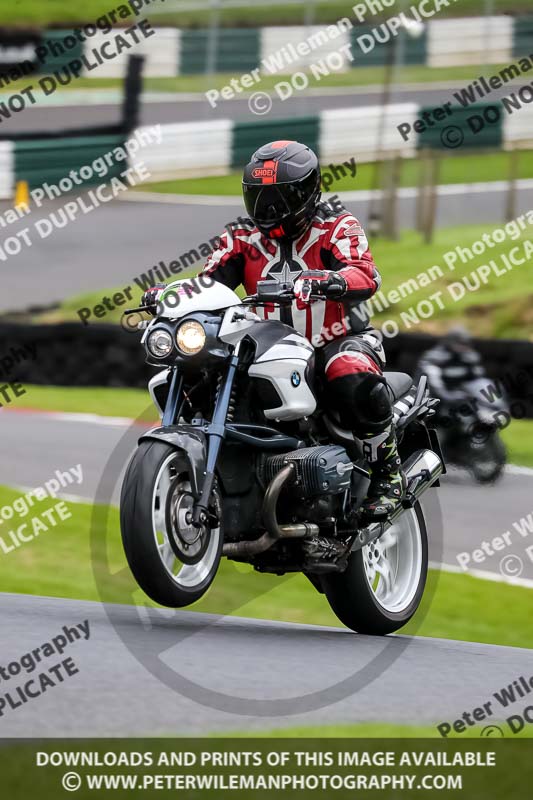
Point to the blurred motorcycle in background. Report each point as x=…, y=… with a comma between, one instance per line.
x=470, y=413
x=469, y=432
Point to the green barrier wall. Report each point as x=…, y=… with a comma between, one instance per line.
x=57, y=59
x=454, y=131
x=403, y=49
x=48, y=160
x=248, y=136
x=523, y=36
x=237, y=51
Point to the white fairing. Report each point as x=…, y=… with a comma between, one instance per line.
x=280, y=365
x=196, y=294
x=158, y=380
x=233, y=329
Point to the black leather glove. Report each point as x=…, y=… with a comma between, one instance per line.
x=336, y=285
x=150, y=298
x=324, y=282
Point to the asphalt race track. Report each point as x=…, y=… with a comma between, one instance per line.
x=176, y=109
x=158, y=108
x=270, y=674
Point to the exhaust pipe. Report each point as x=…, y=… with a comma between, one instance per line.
x=274, y=531
x=421, y=469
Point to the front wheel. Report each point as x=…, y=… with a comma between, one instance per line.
x=487, y=460
x=172, y=561
x=383, y=584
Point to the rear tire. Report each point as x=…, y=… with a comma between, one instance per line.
x=375, y=603
x=172, y=562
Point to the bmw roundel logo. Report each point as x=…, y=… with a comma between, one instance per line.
x=296, y=379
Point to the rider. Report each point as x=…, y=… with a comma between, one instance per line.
x=293, y=236
x=450, y=365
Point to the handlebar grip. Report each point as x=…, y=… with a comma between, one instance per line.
x=281, y=299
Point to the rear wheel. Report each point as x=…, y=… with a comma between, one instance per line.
x=173, y=562
x=383, y=584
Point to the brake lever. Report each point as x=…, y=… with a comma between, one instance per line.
x=305, y=296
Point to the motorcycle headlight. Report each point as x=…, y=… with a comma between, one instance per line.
x=191, y=337
x=486, y=417
x=160, y=343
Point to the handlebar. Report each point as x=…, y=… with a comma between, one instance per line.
x=268, y=292
x=273, y=292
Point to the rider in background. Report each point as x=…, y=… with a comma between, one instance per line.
x=451, y=365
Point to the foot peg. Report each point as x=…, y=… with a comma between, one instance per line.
x=411, y=495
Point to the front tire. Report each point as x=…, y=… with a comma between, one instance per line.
x=171, y=561
x=383, y=584
x=487, y=461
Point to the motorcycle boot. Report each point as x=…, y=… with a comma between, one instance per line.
x=387, y=480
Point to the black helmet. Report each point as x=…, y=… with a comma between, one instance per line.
x=281, y=188
x=458, y=338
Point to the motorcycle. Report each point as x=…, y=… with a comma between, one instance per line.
x=469, y=431
x=247, y=464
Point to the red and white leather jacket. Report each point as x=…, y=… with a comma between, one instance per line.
x=335, y=241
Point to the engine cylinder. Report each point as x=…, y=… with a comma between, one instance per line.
x=318, y=470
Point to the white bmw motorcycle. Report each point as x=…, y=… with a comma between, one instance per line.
x=247, y=465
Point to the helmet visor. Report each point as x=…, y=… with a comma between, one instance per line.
x=271, y=204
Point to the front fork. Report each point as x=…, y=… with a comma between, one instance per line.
x=215, y=432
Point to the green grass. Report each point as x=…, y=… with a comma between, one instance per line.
x=453, y=169
x=362, y=76
x=365, y=730
x=455, y=606
x=500, y=307
x=64, y=11
x=131, y=403
x=518, y=438
x=69, y=308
